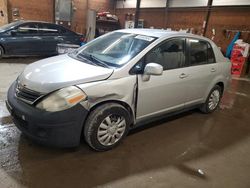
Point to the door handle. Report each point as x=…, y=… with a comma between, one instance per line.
x=60, y=38
x=213, y=70
x=39, y=38
x=183, y=75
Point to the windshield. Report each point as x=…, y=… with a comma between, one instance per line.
x=8, y=26
x=114, y=49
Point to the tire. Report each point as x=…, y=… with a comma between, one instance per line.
x=106, y=126
x=213, y=100
x=1, y=52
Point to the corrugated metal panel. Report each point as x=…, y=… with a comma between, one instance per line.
x=187, y=3
x=63, y=10
x=230, y=2
x=144, y=3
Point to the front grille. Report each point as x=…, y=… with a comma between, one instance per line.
x=27, y=95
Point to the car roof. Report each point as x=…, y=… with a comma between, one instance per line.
x=34, y=21
x=159, y=33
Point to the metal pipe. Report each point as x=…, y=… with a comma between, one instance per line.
x=205, y=24
x=137, y=12
x=166, y=14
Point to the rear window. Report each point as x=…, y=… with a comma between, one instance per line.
x=200, y=52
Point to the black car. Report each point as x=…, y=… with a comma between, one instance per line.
x=34, y=38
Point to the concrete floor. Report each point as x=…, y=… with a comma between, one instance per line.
x=188, y=150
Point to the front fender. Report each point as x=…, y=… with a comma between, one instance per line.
x=122, y=90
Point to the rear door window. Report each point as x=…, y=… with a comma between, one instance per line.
x=200, y=52
x=170, y=54
x=48, y=29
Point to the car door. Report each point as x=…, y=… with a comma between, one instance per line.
x=51, y=37
x=24, y=40
x=167, y=92
x=201, y=70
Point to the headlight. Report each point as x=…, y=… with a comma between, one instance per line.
x=62, y=99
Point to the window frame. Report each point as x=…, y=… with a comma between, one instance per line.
x=40, y=29
x=19, y=34
x=188, y=46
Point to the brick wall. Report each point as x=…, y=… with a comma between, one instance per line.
x=32, y=9
x=230, y=18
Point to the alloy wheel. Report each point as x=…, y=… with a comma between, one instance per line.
x=111, y=130
x=214, y=99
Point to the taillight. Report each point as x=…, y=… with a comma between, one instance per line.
x=82, y=39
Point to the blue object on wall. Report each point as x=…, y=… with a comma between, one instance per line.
x=231, y=45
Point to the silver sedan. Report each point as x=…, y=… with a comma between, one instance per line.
x=115, y=83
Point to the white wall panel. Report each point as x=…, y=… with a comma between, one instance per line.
x=178, y=3
x=153, y=3
x=230, y=2
x=187, y=3
x=126, y=4
x=144, y=3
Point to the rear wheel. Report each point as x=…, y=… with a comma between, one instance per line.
x=1, y=52
x=213, y=100
x=106, y=126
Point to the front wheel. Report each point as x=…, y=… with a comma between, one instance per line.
x=213, y=100
x=106, y=126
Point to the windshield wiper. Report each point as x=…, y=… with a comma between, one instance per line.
x=98, y=61
x=84, y=58
x=91, y=58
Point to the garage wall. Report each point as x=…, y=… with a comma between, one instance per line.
x=229, y=18
x=80, y=14
x=101, y=5
x=221, y=18
x=43, y=10
x=4, y=13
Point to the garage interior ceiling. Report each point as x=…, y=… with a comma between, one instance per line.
x=178, y=3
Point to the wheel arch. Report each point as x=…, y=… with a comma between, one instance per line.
x=218, y=80
x=2, y=48
x=122, y=103
x=221, y=84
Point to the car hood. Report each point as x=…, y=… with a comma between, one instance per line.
x=53, y=73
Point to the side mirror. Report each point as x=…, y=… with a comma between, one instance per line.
x=153, y=69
